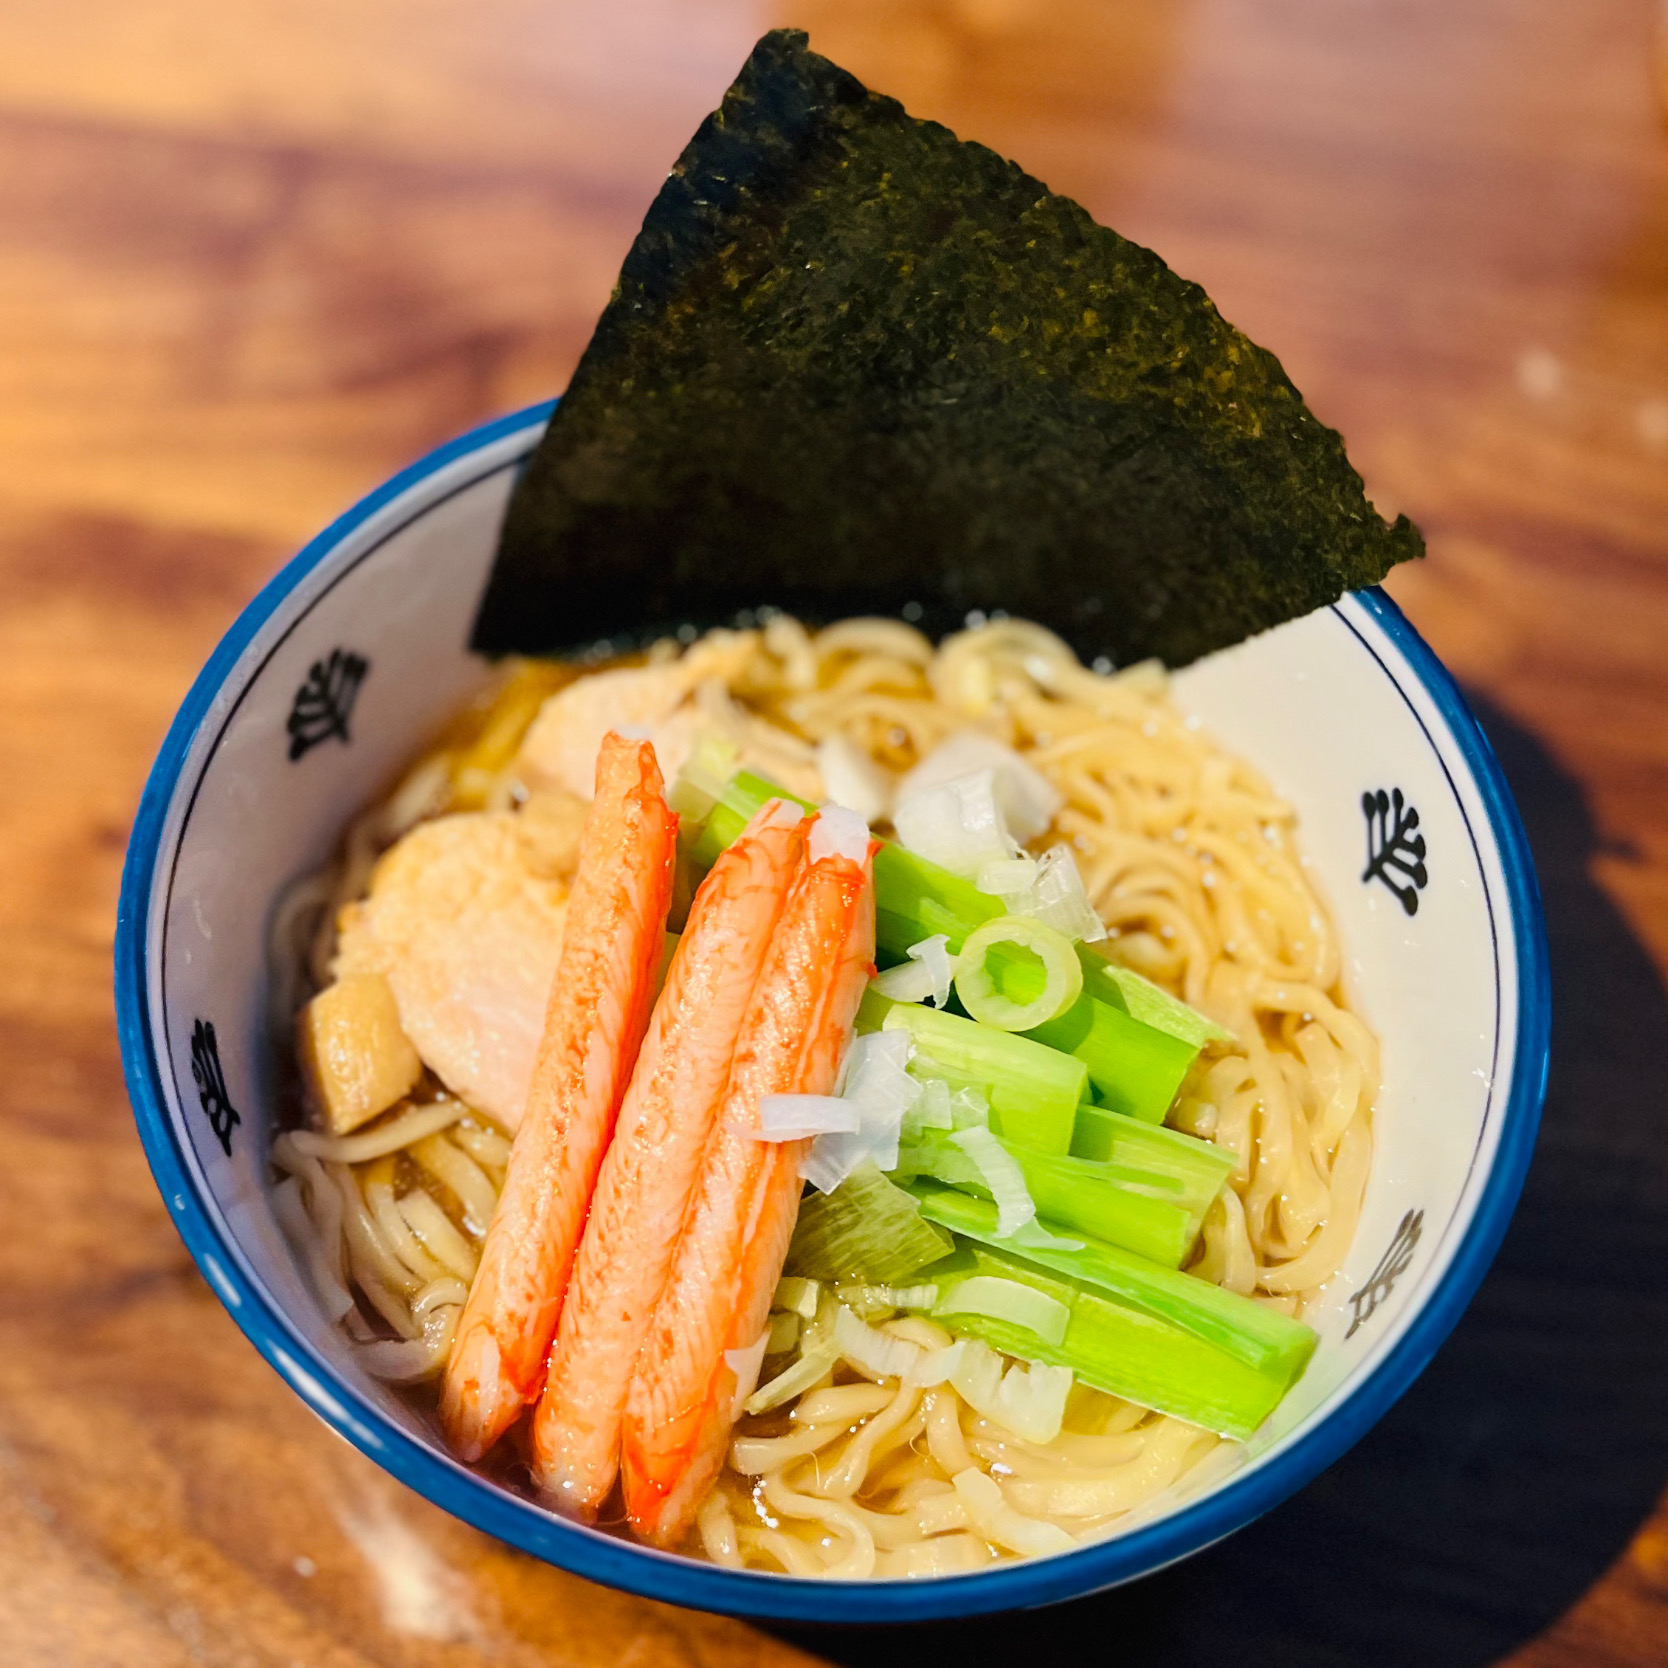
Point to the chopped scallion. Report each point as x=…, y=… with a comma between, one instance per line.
x=1062, y=981
x=1033, y=1089
x=915, y=899
x=1136, y=1040
x=1134, y=1067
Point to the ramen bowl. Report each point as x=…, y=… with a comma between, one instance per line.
x=353, y=655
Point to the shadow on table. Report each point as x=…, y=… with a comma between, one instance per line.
x=1517, y=1468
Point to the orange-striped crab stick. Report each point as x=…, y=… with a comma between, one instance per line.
x=651, y=1167
x=686, y=1390
x=612, y=946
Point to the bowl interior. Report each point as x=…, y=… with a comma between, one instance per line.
x=346, y=663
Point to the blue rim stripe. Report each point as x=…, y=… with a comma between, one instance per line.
x=682, y=1581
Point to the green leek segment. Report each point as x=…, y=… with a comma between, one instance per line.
x=1159, y=1156
x=1247, y=1332
x=915, y=899
x=867, y=1229
x=1147, y=1003
x=1131, y=1350
x=1143, y=1213
x=1127, y=1353
x=1033, y=1090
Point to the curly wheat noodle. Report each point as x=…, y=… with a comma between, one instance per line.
x=1194, y=864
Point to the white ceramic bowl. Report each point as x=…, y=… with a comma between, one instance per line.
x=257, y=779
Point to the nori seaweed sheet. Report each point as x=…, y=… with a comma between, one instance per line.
x=854, y=363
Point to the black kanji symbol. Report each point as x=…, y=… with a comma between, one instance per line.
x=211, y=1084
x=1391, y=1267
x=324, y=702
x=1395, y=843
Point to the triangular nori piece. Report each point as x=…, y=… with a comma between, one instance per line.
x=854, y=362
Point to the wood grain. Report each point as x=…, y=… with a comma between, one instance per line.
x=254, y=257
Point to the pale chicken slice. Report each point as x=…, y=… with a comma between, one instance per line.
x=560, y=747
x=669, y=703
x=464, y=921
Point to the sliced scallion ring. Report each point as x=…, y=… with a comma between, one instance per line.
x=994, y=1298
x=1062, y=974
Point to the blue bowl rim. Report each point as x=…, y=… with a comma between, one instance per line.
x=679, y=1580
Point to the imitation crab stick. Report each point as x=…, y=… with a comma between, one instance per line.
x=650, y=1167
x=612, y=946
x=684, y=1392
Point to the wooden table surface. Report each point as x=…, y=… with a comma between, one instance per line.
x=254, y=256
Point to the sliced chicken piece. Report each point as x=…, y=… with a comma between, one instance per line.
x=464, y=921
x=560, y=747
x=670, y=703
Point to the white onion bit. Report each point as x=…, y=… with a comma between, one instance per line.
x=1012, y=879
x=874, y=1351
x=1048, y=889
x=931, y=1111
x=798, y=1117
x=969, y=1108
x=957, y=824
x=1033, y=1400
x=934, y=955
x=850, y=777
x=909, y=981
x=938, y=1366
x=1029, y=801
x=880, y=1093
x=1062, y=902
x=1032, y=1405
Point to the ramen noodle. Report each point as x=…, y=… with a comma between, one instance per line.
x=894, y=1452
